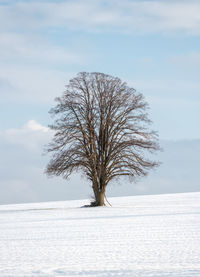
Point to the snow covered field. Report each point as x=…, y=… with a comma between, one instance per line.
x=138, y=236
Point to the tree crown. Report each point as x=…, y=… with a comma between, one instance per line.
x=102, y=129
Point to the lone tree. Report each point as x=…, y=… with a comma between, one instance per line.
x=102, y=130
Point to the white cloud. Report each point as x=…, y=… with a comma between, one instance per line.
x=26, y=75
x=22, y=168
x=27, y=57
x=31, y=136
x=32, y=125
x=97, y=15
x=23, y=180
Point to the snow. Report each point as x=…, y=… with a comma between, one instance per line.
x=138, y=236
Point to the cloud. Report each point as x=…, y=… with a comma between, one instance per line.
x=34, y=60
x=32, y=125
x=32, y=65
x=22, y=168
x=30, y=136
x=95, y=15
x=23, y=180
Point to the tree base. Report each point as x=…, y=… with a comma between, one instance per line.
x=93, y=204
x=96, y=204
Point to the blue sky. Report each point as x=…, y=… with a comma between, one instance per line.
x=153, y=45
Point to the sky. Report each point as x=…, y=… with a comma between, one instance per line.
x=152, y=45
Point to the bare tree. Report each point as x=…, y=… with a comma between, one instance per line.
x=102, y=130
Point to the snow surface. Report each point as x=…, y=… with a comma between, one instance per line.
x=138, y=236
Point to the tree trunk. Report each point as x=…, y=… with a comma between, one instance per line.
x=99, y=196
